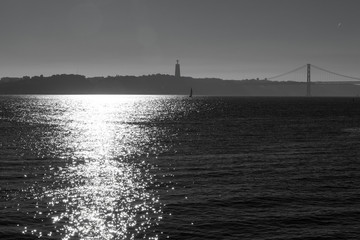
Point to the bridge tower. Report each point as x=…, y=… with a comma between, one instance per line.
x=308, y=81
x=177, y=69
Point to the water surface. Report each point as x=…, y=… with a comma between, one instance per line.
x=158, y=167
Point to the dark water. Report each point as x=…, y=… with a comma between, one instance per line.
x=159, y=167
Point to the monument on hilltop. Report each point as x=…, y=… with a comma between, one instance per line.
x=177, y=69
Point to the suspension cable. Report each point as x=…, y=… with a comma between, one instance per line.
x=280, y=75
x=337, y=74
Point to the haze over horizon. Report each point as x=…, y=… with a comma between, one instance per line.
x=232, y=39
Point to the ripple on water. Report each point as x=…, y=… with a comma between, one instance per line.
x=104, y=199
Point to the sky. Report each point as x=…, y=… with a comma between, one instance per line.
x=229, y=39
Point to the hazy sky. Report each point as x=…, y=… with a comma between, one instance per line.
x=231, y=39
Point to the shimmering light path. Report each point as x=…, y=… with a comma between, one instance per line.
x=98, y=184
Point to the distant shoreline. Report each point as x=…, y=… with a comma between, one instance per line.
x=160, y=84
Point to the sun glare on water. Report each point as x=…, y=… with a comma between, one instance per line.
x=102, y=191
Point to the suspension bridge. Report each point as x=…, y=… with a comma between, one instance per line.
x=309, y=72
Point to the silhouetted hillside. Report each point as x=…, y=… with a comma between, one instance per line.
x=167, y=84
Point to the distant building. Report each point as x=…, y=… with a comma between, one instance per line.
x=177, y=69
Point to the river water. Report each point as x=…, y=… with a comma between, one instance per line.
x=172, y=167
